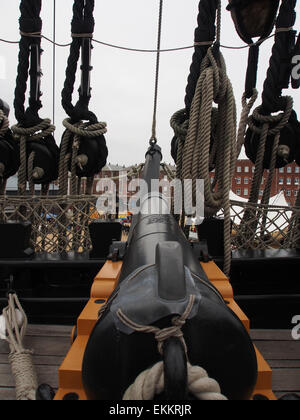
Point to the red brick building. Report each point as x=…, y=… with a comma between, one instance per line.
x=286, y=179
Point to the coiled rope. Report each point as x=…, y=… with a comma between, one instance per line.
x=20, y=358
x=151, y=382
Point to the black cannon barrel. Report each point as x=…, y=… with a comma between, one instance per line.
x=160, y=276
x=155, y=225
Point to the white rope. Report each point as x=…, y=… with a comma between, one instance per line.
x=13, y=329
x=151, y=382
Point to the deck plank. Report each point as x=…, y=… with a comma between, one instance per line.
x=51, y=344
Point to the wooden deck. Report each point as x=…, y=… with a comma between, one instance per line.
x=51, y=344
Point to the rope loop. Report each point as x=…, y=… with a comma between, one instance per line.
x=35, y=133
x=85, y=129
x=281, y=119
x=180, y=123
x=151, y=382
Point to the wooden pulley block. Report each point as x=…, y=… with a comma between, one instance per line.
x=289, y=144
x=9, y=156
x=91, y=155
x=46, y=158
x=253, y=18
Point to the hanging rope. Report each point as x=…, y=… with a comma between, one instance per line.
x=30, y=24
x=271, y=140
x=15, y=322
x=77, y=132
x=153, y=139
x=208, y=139
x=205, y=35
x=31, y=128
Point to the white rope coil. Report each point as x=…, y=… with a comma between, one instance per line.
x=151, y=382
x=22, y=366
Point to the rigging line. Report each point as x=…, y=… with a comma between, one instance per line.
x=153, y=139
x=54, y=59
x=106, y=44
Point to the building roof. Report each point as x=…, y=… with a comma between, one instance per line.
x=12, y=185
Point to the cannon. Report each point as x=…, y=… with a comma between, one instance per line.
x=159, y=275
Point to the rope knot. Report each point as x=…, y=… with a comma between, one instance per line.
x=162, y=335
x=275, y=123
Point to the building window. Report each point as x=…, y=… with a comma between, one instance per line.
x=297, y=170
x=246, y=191
x=239, y=181
x=239, y=169
x=289, y=169
x=288, y=193
x=246, y=181
x=281, y=170
x=253, y=169
x=262, y=181
x=296, y=193
x=247, y=169
x=281, y=181
x=238, y=191
x=296, y=181
x=261, y=192
x=289, y=181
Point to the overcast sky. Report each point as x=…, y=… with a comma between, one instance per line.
x=122, y=81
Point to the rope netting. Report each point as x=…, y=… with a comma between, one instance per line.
x=59, y=224
x=267, y=226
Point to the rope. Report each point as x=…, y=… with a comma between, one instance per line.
x=73, y=135
x=24, y=135
x=145, y=50
x=197, y=154
x=151, y=382
x=279, y=72
x=265, y=125
x=205, y=31
x=153, y=139
x=82, y=25
x=277, y=122
x=30, y=23
x=21, y=359
x=162, y=334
